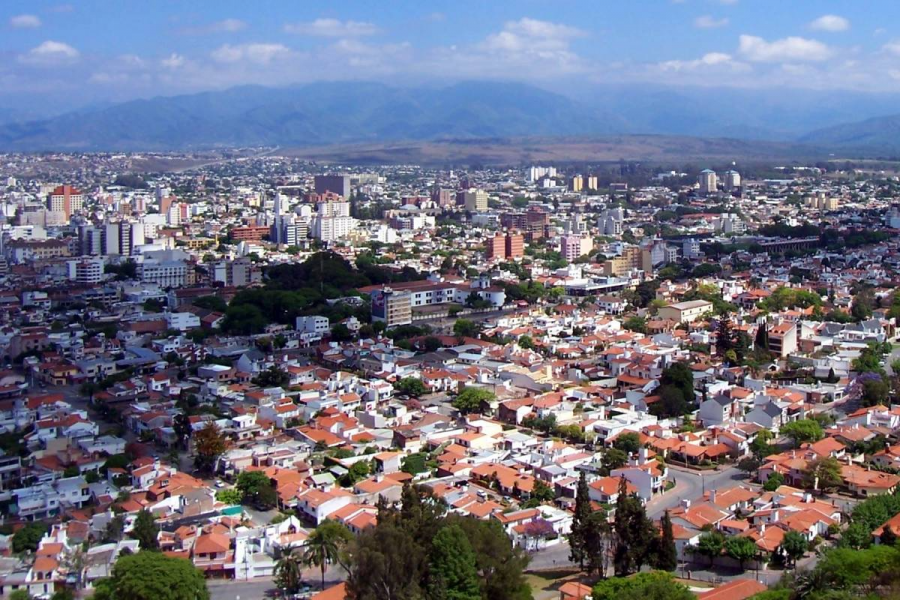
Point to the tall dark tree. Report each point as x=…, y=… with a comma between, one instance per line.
x=665, y=555
x=578, y=531
x=146, y=531
x=452, y=568
x=725, y=336
x=634, y=533
x=597, y=538
x=387, y=563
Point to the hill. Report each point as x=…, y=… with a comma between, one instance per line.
x=324, y=113
x=878, y=133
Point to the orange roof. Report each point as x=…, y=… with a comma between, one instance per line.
x=737, y=589
x=335, y=592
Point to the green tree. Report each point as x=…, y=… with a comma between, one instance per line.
x=470, y=399
x=634, y=533
x=272, y=377
x=802, y=431
x=289, y=571
x=875, y=391
x=823, y=474
x=465, y=328
x=526, y=342
x=597, y=539
x=452, y=573
x=357, y=472
x=387, y=563
x=415, y=463
x=152, y=576
x=230, y=496
x=636, y=324
x=856, y=536
x=578, y=531
x=327, y=545
x=28, y=537
x=741, y=549
x=411, y=386
x=710, y=545
x=341, y=333
x=146, y=531
x=760, y=445
x=612, y=459
x=665, y=554
x=542, y=492
x=655, y=585
x=773, y=482
x=628, y=442
x=20, y=595
x=257, y=489
x=794, y=546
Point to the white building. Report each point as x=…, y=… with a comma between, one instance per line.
x=708, y=181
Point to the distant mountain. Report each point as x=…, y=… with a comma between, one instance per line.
x=316, y=114
x=878, y=133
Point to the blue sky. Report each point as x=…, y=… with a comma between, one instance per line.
x=104, y=50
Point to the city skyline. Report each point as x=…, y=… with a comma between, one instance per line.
x=118, y=52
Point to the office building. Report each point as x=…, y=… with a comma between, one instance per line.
x=237, y=273
x=503, y=247
x=475, y=200
x=708, y=182
x=65, y=199
x=574, y=246
x=590, y=182
x=392, y=308
x=336, y=184
x=576, y=183
x=86, y=271
x=443, y=198
x=731, y=181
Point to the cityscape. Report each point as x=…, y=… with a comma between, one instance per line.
x=439, y=350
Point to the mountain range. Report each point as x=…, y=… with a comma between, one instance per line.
x=338, y=113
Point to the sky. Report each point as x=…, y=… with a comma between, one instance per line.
x=97, y=51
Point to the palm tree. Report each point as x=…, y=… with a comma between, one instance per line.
x=326, y=546
x=289, y=571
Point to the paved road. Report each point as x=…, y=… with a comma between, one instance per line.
x=688, y=485
x=265, y=587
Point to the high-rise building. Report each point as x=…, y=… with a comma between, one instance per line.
x=337, y=184
x=476, y=200
x=576, y=183
x=590, y=182
x=574, y=246
x=515, y=245
x=731, y=181
x=443, y=197
x=496, y=247
x=66, y=200
x=392, y=308
x=708, y=182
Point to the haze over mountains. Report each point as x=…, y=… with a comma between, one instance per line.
x=355, y=112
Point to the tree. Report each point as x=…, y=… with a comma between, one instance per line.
x=152, y=576
x=20, y=595
x=114, y=530
x=710, y=545
x=613, y=458
x=802, y=431
x=470, y=399
x=580, y=517
x=146, y=531
x=634, y=532
x=341, y=333
x=749, y=464
x=387, y=563
x=741, y=549
x=452, y=573
x=274, y=376
x=656, y=585
x=597, y=539
x=289, y=571
x=665, y=554
x=257, y=489
x=888, y=537
x=28, y=537
x=636, y=324
x=209, y=444
x=760, y=445
x=326, y=545
x=680, y=376
x=773, y=482
x=526, y=342
x=875, y=391
x=500, y=564
x=357, y=472
x=823, y=473
x=181, y=424
x=794, y=546
x=542, y=492
x=465, y=328
x=628, y=442
x=431, y=343
x=411, y=386
x=415, y=463
x=230, y=496
x=856, y=536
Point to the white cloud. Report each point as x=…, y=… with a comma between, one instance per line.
x=787, y=49
x=223, y=26
x=174, y=61
x=709, y=22
x=332, y=28
x=830, y=23
x=892, y=47
x=50, y=53
x=254, y=53
x=711, y=59
x=25, y=21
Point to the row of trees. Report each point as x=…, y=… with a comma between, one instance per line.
x=631, y=540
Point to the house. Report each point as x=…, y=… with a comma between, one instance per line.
x=736, y=589
x=685, y=312
x=719, y=409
